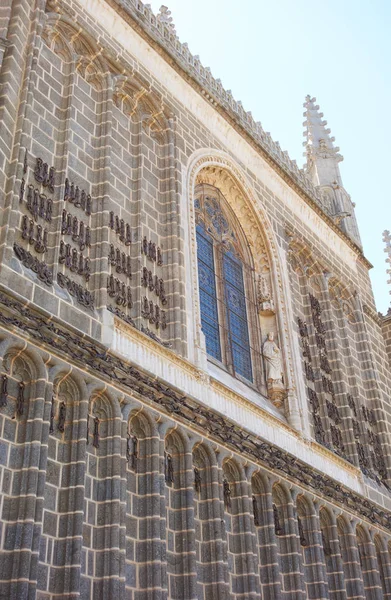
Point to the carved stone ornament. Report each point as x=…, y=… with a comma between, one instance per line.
x=82, y=295
x=265, y=301
x=54, y=337
x=273, y=368
x=32, y=263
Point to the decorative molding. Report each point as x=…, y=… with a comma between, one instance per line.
x=98, y=361
x=159, y=34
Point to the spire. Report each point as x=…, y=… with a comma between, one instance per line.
x=322, y=156
x=322, y=166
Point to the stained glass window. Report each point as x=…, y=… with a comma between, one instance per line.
x=237, y=315
x=207, y=289
x=222, y=286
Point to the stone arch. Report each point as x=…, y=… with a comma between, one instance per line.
x=73, y=44
x=331, y=553
x=368, y=562
x=145, y=561
x=384, y=564
x=239, y=524
x=287, y=533
x=104, y=501
x=22, y=414
x=269, y=564
x=179, y=494
x=310, y=539
x=210, y=539
x=350, y=557
x=141, y=102
x=61, y=541
x=259, y=232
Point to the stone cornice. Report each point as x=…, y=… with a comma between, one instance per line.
x=86, y=354
x=162, y=38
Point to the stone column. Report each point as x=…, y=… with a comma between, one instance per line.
x=351, y=560
x=269, y=567
x=332, y=555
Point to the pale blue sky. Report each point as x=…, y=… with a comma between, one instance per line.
x=271, y=54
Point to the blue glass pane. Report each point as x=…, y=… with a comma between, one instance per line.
x=212, y=339
x=242, y=362
x=207, y=289
x=237, y=316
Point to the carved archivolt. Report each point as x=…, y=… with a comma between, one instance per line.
x=218, y=169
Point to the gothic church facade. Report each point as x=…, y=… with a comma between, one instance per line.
x=195, y=386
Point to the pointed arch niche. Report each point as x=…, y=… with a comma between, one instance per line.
x=223, y=206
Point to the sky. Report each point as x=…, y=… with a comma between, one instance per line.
x=271, y=54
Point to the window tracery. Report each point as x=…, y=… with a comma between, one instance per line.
x=224, y=280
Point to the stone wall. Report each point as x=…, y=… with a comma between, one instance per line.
x=122, y=446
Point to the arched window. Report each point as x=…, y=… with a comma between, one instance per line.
x=224, y=280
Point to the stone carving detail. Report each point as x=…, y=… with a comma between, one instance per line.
x=154, y=283
x=303, y=540
x=79, y=198
x=257, y=520
x=336, y=438
x=168, y=469
x=197, y=480
x=22, y=190
x=151, y=251
x=152, y=312
x=61, y=417
x=95, y=434
x=273, y=368
x=309, y=372
x=277, y=523
x=51, y=335
x=25, y=162
x=132, y=451
x=352, y=404
x=81, y=233
x=32, y=263
x=227, y=493
x=4, y=390
x=154, y=337
x=82, y=295
x=121, y=228
x=35, y=235
x=44, y=174
x=265, y=301
x=74, y=260
x=121, y=315
x=119, y=291
x=20, y=399
x=39, y=205
x=120, y=261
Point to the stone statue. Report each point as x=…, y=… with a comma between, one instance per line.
x=272, y=355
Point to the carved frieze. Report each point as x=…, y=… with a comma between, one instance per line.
x=121, y=292
x=55, y=338
x=77, y=291
x=44, y=174
x=120, y=261
x=121, y=228
x=74, y=260
x=80, y=232
x=79, y=198
x=34, y=234
x=31, y=262
x=39, y=205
